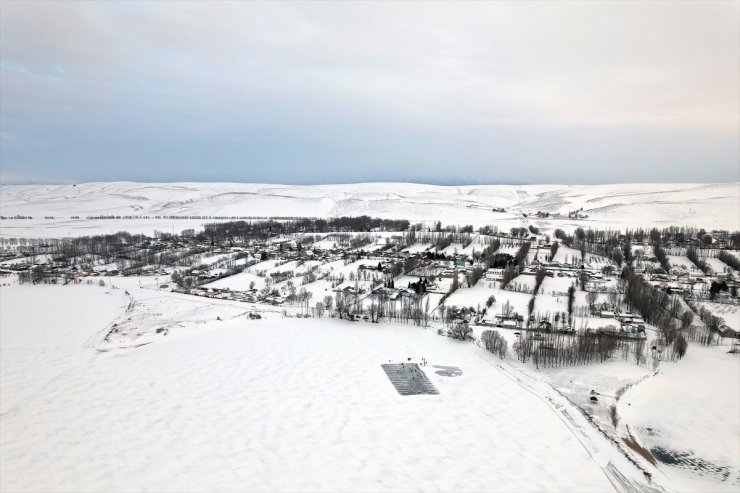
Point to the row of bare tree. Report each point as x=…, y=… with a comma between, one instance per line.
x=558, y=349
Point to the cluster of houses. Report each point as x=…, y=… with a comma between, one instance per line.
x=436, y=270
x=696, y=284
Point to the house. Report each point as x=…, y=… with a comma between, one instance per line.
x=674, y=290
x=406, y=292
x=630, y=328
x=723, y=296
x=509, y=324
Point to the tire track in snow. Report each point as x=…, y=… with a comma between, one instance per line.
x=563, y=410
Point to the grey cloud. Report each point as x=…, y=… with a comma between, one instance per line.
x=419, y=85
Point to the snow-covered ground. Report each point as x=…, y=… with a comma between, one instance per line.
x=239, y=282
x=688, y=416
x=129, y=388
x=717, y=265
x=683, y=262
x=608, y=206
x=418, y=248
x=226, y=403
x=730, y=313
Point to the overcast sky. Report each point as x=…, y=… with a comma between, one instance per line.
x=299, y=92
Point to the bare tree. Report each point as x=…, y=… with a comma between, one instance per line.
x=506, y=309
x=554, y=249
x=328, y=302
x=571, y=300
x=530, y=309
x=674, y=307
x=591, y=298
x=495, y=343
x=319, y=307
x=373, y=311
x=679, y=347
x=460, y=331
x=613, y=300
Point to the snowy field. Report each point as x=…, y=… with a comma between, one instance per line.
x=238, y=404
x=688, y=417
x=608, y=206
x=239, y=282
x=133, y=389
x=682, y=262
x=730, y=313
x=717, y=265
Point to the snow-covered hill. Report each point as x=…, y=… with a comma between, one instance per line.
x=616, y=206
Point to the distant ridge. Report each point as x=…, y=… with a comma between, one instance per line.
x=711, y=206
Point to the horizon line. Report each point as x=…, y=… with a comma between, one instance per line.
x=460, y=183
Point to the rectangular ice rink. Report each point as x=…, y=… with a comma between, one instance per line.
x=409, y=379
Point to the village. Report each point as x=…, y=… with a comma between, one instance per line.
x=523, y=279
